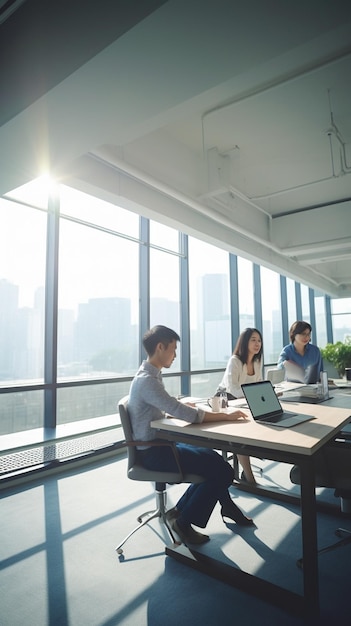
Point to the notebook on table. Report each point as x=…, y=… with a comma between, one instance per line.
x=341, y=383
x=266, y=408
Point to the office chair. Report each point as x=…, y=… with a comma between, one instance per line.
x=136, y=471
x=333, y=470
x=275, y=375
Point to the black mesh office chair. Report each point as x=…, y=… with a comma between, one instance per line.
x=333, y=470
x=137, y=472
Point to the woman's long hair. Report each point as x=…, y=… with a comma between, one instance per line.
x=241, y=349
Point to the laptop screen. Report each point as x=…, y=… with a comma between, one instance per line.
x=296, y=373
x=261, y=398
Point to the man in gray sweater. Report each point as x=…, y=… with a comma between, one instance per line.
x=148, y=401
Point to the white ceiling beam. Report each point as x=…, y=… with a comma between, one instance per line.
x=316, y=230
x=119, y=185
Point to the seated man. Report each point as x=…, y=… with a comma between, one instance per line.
x=148, y=401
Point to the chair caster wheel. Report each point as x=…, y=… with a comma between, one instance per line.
x=139, y=519
x=119, y=551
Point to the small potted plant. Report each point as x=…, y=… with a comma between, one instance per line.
x=339, y=355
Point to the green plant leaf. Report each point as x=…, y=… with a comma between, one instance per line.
x=338, y=354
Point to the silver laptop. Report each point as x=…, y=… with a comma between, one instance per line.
x=296, y=373
x=312, y=394
x=266, y=408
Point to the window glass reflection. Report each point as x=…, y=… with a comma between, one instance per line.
x=291, y=296
x=164, y=236
x=305, y=303
x=271, y=315
x=22, y=280
x=341, y=328
x=90, y=209
x=90, y=401
x=321, y=322
x=342, y=305
x=246, y=294
x=98, y=303
x=164, y=293
x=204, y=385
x=210, y=326
x=20, y=411
x=341, y=319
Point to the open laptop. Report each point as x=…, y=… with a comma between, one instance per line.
x=312, y=394
x=266, y=408
x=296, y=373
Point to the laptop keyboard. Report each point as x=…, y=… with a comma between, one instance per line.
x=279, y=418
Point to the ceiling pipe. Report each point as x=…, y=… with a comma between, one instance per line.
x=345, y=168
x=289, y=189
x=334, y=131
x=294, y=75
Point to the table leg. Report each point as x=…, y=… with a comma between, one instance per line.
x=309, y=537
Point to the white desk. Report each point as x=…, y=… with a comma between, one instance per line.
x=295, y=445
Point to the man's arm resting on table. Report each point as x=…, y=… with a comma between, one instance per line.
x=231, y=416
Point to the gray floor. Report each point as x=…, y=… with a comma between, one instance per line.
x=59, y=566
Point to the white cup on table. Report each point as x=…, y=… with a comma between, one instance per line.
x=215, y=404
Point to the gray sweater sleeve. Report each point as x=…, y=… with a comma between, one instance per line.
x=149, y=400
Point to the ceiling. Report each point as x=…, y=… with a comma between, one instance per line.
x=229, y=119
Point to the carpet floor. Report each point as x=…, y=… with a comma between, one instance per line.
x=59, y=566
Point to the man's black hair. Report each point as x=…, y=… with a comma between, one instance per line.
x=158, y=334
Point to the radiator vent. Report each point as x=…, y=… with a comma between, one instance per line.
x=56, y=452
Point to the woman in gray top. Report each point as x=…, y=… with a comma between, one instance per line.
x=148, y=401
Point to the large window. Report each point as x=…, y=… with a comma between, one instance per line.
x=321, y=325
x=245, y=295
x=86, y=208
x=271, y=315
x=22, y=297
x=305, y=304
x=102, y=289
x=88, y=401
x=97, y=304
x=291, y=297
x=164, y=279
x=20, y=411
x=209, y=305
x=341, y=318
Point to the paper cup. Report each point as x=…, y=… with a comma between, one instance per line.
x=215, y=404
